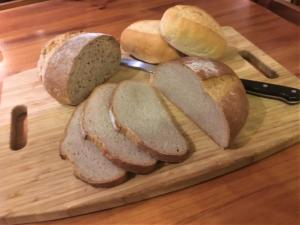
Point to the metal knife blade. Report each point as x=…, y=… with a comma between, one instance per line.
x=286, y=94
x=133, y=63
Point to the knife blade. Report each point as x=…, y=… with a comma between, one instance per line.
x=286, y=94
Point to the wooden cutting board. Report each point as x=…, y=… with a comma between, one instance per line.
x=37, y=185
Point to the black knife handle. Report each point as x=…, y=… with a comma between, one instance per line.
x=288, y=95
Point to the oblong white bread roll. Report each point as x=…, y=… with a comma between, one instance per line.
x=142, y=40
x=73, y=64
x=192, y=31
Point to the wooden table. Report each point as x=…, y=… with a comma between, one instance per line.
x=264, y=193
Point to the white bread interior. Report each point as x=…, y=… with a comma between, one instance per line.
x=140, y=114
x=97, y=123
x=88, y=163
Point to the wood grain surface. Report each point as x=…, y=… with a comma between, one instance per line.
x=16, y=3
x=267, y=197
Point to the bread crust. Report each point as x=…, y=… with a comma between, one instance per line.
x=192, y=31
x=107, y=184
x=61, y=149
x=49, y=49
x=56, y=77
x=126, y=166
x=206, y=68
x=59, y=60
x=145, y=45
x=141, y=144
x=236, y=109
x=230, y=96
x=77, y=173
x=105, y=151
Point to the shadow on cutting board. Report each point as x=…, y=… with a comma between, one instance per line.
x=257, y=113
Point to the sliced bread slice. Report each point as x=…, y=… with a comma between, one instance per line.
x=141, y=115
x=97, y=123
x=88, y=162
x=207, y=91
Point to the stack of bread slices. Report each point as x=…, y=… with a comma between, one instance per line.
x=118, y=129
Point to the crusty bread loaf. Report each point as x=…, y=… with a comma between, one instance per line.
x=209, y=92
x=97, y=123
x=142, y=40
x=140, y=114
x=88, y=162
x=73, y=64
x=192, y=31
x=49, y=48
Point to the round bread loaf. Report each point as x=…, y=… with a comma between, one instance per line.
x=207, y=91
x=142, y=40
x=192, y=31
x=71, y=65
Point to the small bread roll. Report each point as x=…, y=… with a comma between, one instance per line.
x=192, y=31
x=142, y=40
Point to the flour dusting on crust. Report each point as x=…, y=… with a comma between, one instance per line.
x=207, y=67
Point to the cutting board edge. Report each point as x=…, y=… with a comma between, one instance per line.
x=172, y=187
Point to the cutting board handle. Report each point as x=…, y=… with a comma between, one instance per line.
x=18, y=127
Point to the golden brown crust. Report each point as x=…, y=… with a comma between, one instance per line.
x=199, y=33
x=141, y=144
x=236, y=108
x=107, y=184
x=147, y=45
x=225, y=88
x=126, y=166
x=61, y=151
x=198, y=15
x=206, y=68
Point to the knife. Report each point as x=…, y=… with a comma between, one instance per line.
x=286, y=94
